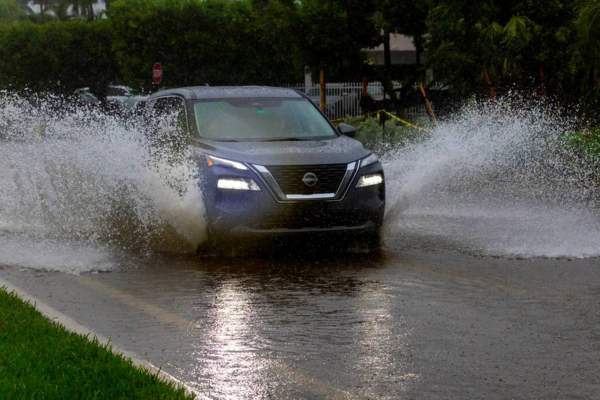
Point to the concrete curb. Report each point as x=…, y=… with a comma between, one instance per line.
x=73, y=326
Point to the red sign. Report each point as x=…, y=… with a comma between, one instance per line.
x=157, y=74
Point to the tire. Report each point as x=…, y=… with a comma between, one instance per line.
x=373, y=241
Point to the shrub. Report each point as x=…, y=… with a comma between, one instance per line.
x=587, y=140
x=211, y=41
x=374, y=136
x=56, y=56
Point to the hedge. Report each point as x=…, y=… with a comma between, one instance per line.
x=210, y=41
x=197, y=42
x=57, y=56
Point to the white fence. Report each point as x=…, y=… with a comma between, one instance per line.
x=343, y=98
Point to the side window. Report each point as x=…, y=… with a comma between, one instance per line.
x=170, y=114
x=170, y=128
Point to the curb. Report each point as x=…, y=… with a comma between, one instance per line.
x=73, y=326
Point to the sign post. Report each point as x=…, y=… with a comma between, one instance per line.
x=157, y=74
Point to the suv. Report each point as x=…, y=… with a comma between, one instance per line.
x=272, y=164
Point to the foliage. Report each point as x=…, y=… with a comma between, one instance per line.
x=41, y=360
x=587, y=140
x=212, y=41
x=549, y=47
x=11, y=10
x=57, y=56
x=332, y=34
x=406, y=17
x=374, y=136
x=523, y=43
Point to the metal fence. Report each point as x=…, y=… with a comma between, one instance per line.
x=343, y=98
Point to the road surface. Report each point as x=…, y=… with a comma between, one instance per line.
x=412, y=322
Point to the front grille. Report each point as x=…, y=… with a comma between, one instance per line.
x=301, y=217
x=289, y=177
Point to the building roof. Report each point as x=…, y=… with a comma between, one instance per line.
x=402, y=51
x=398, y=42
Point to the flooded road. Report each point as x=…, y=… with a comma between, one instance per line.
x=488, y=285
x=408, y=323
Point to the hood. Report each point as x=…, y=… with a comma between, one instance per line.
x=339, y=150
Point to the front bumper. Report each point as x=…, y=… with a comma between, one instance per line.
x=236, y=213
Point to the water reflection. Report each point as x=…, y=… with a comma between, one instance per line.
x=383, y=338
x=289, y=328
x=228, y=360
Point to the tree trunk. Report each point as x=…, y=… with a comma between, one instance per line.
x=387, y=53
x=387, y=64
x=542, y=85
x=488, y=82
x=43, y=6
x=418, y=40
x=322, y=90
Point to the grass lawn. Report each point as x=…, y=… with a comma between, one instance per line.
x=39, y=359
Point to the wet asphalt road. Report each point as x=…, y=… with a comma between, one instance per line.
x=409, y=323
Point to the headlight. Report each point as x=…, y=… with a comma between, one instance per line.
x=212, y=161
x=237, y=184
x=370, y=180
x=368, y=160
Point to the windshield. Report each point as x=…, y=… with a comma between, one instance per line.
x=260, y=119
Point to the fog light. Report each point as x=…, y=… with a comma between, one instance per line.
x=237, y=184
x=369, y=180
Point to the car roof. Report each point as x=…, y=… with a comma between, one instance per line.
x=216, y=92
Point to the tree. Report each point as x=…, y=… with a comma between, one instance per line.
x=406, y=17
x=57, y=56
x=11, y=10
x=525, y=43
x=587, y=24
x=211, y=41
x=332, y=34
x=82, y=8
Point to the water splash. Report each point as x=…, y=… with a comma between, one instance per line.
x=498, y=178
x=73, y=173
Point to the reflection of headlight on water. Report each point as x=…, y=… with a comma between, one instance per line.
x=226, y=358
x=237, y=184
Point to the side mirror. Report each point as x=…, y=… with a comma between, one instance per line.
x=347, y=130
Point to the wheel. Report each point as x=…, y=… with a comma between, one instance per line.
x=372, y=241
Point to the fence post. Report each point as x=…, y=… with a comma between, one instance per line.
x=307, y=79
x=322, y=90
x=363, y=96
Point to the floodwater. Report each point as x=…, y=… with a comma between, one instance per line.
x=487, y=285
x=408, y=323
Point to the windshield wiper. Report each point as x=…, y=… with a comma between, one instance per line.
x=290, y=139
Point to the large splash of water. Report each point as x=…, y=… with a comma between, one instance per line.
x=499, y=178
x=77, y=177
x=78, y=186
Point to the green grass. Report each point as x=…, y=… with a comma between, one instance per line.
x=371, y=133
x=39, y=359
x=587, y=140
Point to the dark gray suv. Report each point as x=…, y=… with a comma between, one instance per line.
x=272, y=164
